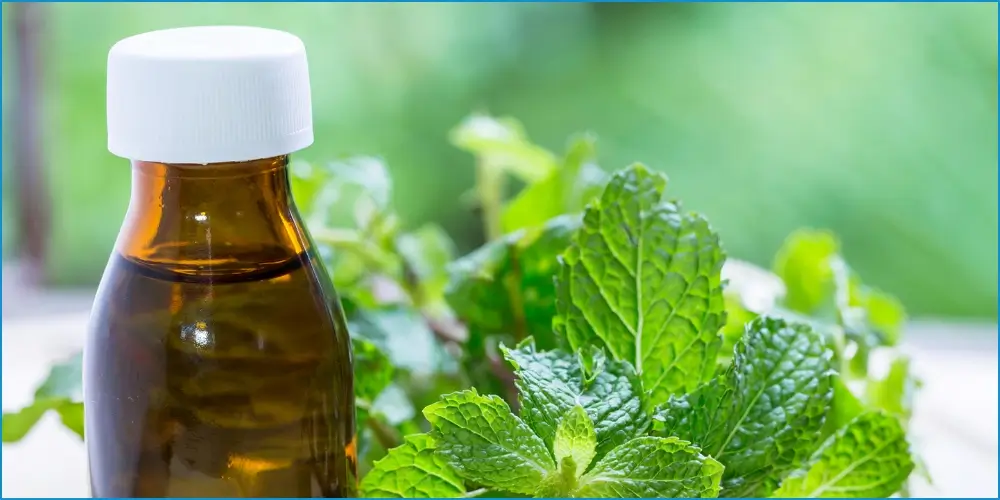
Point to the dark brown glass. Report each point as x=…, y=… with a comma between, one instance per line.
x=218, y=363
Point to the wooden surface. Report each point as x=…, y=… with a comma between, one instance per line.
x=954, y=428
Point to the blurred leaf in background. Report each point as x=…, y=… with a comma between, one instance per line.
x=62, y=392
x=877, y=121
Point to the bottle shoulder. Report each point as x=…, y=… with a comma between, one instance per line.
x=282, y=306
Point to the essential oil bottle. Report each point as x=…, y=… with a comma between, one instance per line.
x=218, y=362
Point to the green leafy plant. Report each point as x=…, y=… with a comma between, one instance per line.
x=61, y=392
x=644, y=364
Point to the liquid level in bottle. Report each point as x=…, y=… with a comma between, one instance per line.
x=219, y=379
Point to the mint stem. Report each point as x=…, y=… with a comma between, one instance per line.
x=489, y=190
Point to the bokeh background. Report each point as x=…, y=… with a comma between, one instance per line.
x=876, y=121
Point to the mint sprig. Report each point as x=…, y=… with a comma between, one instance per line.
x=597, y=445
x=488, y=445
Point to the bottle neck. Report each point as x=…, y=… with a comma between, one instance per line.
x=221, y=216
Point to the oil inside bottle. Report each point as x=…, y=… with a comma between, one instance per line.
x=217, y=368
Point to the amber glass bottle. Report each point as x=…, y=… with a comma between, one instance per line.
x=218, y=361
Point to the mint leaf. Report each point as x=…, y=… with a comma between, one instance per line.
x=760, y=418
x=804, y=263
x=487, y=444
x=642, y=278
x=650, y=467
x=327, y=191
x=404, y=336
x=894, y=392
x=372, y=369
x=870, y=318
x=702, y=416
x=17, y=424
x=506, y=286
x=61, y=391
x=737, y=316
x=502, y=143
x=71, y=416
x=427, y=251
x=412, y=470
x=884, y=313
x=593, y=362
x=564, y=191
x=574, y=449
x=347, y=206
x=552, y=383
x=65, y=380
x=393, y=404
x=576, y=439
x=844, y=407
x=869, y=458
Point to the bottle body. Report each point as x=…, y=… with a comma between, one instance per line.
x=218, y=361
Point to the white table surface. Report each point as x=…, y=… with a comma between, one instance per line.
x=954, y=427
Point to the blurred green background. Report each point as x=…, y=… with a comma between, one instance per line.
x=878, y=121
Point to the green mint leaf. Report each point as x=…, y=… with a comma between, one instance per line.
x=501, y=143
x=574, y=448
x=506, y=286
x=869, y=317
x=412, y=470
x=71, y=416
x=651, y=467
x=575, y=438
x=17, y=424
x=702, y=415
x=552, y=383
x=804, y=263
x=394, y=405
x=61, y=391
x=762, y=416
x=894, y=392
x=869, y=458
x=593, y=362
x=737, y=316
x=844, y=407
x=562, y=483
x=565, y=191
x=487, y=444
x=382, y=424
x=642, y=278
x=404, y=336
x=359, y=185
x=372, y=370
x=427, y=251
x=883, y=314
x=306, y=181
x=65, y=380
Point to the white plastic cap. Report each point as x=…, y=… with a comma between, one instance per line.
x=208, y=94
